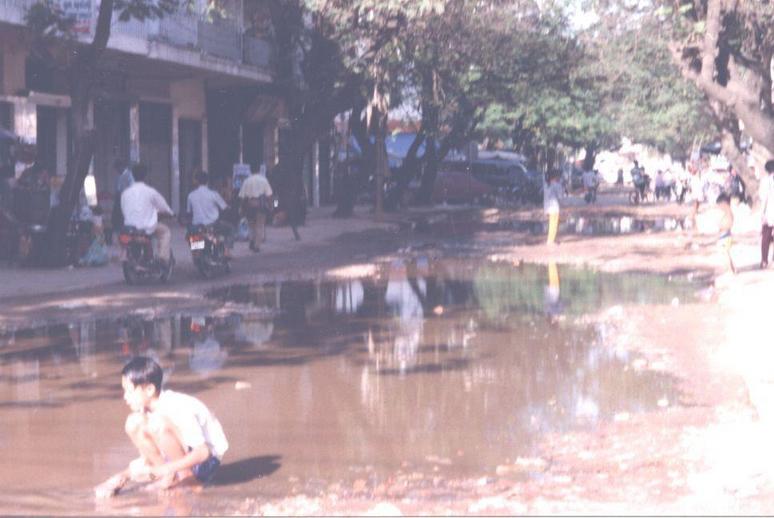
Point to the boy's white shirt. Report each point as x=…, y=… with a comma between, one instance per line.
x=196, y=424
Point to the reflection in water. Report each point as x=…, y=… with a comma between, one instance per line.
x=597, y=225
x=424, y=360
x=552, y=292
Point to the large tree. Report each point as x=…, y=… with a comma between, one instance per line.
x=55, y=41
x=331, y=56
x=465, y=61
x=725, y=48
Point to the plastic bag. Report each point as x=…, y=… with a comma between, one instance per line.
x=96, y=255
x=243, y=231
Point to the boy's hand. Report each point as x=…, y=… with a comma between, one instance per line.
x=110, y=487
x=159, y=471
x=139, y=471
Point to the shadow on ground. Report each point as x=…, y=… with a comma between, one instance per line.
x=246, y=470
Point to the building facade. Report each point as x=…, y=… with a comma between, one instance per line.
x=180, y=93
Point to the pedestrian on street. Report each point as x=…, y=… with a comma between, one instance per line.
x=256, y=194
x=767, y=212
x=552, y=192
x=725, y=241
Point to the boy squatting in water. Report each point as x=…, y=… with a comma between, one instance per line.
x=178, y=438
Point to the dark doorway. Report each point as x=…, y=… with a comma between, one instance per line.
x=252, y=144
x=156, y=145
x=46, y=137
x=190, y=136
x=111, y=119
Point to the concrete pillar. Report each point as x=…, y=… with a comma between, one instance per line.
x=316, y=174
x=205, y=152
x=25, y=119
x=270, y=143
x=25, y=122
x=61, y=142
x=176, y=202
x=90, y=125
x=134, y=132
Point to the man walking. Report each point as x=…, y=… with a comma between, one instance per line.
x=255, y=195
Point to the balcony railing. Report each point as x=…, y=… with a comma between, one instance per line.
x=224, y=38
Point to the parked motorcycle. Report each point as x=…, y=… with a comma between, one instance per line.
x=138, y=260
x=208, y=249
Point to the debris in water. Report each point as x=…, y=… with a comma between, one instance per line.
x=242, y=385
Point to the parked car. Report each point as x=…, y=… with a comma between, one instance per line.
x=510, y=179
x=460, y=187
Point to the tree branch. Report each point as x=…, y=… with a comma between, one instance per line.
x=710, y=45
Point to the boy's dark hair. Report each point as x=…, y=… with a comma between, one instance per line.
x=139, y=172
x=142, y=370
x=769, y=166
x=202, y=178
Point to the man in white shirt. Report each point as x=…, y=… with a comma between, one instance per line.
x=255, y=195
x=766, y=194
x=141, y=205
x=205, y=206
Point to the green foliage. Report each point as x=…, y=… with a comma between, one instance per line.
x=47, y=19
x=144, y=9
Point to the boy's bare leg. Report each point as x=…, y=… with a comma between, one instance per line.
x=167, y=441
x=138, y=429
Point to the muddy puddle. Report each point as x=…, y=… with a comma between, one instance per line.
x=421, y=370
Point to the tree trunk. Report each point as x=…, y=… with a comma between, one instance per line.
x=81, y=80
x=591, y=157
x=382, y=164
x=407, y=172
x=430, y=172
x=365, y=163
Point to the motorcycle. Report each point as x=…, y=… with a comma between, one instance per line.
x=138, y=260
x=208, y=250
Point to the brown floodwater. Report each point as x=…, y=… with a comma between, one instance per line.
x=430, y=368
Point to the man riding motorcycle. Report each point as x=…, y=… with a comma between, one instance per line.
x=206, y=208
x=141, y=205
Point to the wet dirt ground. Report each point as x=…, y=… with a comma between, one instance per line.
x=455, y=375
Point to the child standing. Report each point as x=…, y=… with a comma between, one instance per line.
x=177, y=437
x=726, y=224
x=552, y=191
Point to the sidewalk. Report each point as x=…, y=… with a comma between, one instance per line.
x=320, y=228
